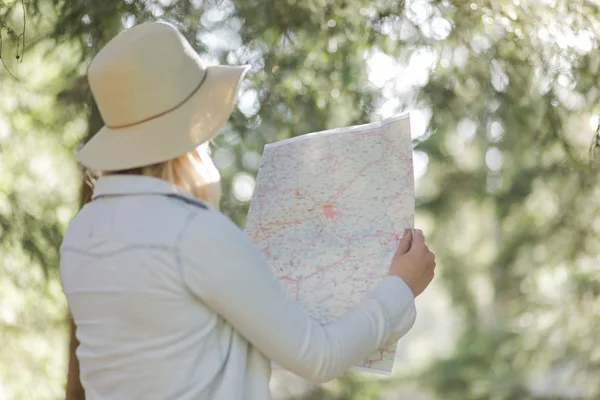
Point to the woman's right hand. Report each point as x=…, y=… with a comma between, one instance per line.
x=413, y=262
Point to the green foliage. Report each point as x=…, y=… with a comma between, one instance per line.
x=348, y=387
x=513, y=101
x=38, y=196
x=508, y=201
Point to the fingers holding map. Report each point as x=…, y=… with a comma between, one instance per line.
x=328, y=211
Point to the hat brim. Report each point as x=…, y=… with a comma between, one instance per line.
x=173, y=134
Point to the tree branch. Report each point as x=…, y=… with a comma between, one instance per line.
x=17, y=38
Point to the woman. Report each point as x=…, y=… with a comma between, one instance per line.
x=170, y=298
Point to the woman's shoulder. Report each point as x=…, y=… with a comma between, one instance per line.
x=212, y=223
x=213, y=231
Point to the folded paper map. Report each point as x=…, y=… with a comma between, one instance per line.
x=327, y=212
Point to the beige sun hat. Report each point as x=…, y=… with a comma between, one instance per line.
x=157, y=98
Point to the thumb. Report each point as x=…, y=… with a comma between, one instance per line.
x=405, y=242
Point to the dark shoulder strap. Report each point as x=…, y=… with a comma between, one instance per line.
x=184, y=199
x=188, y=201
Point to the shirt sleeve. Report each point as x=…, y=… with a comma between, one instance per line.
x=223, y=268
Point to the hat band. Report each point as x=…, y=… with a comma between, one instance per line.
x=162, y=112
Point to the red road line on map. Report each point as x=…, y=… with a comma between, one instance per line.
x=388, y=145
x=369, y=165
x=381, y=353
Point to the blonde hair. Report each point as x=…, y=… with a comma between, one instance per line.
x=194, y=172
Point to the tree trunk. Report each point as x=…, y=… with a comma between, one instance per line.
x=74, y=389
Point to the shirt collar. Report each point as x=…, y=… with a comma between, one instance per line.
x=123, y=185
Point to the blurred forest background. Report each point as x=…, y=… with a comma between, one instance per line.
x=504, y=96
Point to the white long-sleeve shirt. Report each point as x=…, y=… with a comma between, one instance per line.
x=172, y=301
